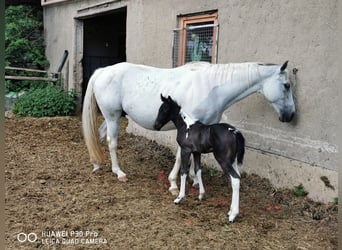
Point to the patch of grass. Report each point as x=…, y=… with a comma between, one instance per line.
x=335, y=201
x=227, y=230
x=299, y=191
x=212, y=172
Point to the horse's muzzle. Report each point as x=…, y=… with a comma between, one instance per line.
x=286, y=117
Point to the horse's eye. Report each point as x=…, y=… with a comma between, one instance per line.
x=287, y=86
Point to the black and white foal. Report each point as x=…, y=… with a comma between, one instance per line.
x=193, y=137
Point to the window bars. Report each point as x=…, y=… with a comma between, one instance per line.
x=195, y=42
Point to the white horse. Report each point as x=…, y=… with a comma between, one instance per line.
x=203, y=90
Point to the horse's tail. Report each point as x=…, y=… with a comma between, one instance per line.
x=89, y=123
x=240, y=147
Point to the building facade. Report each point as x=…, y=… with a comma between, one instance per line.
x=172, y=32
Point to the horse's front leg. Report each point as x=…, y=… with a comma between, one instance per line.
x=112, y=140
x=185, y=158
x=174, y=173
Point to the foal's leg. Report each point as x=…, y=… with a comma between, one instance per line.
x=185, y=159
x=198, y=172
x=232, y=171
x=112, y=140
x=192, y=173
x=174, y=173
x=235, y=181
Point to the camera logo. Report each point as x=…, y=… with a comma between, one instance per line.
x=30, y=237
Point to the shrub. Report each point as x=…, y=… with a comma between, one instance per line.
x=17, y=86
x=49, y=101
x=24, y=43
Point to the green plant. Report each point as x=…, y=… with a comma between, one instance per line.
x=24, y=44
x=49, y=101
x=335, y=201
x=212, y=172
x=17, y=86
x=299, y=191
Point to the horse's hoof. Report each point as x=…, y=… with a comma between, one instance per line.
x=229, y=221
x=177, y=200
x=123, y=178
x=174, y=191
x=96, y=168
x=231, y=217
x=200, y=197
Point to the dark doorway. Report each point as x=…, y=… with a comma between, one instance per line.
x=104, y=42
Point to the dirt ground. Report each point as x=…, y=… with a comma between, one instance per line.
x=54, y=201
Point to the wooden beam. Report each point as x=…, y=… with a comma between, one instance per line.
x=31, y=78
x=46, y=2
x=28, y=70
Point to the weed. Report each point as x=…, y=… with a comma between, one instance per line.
x=212, y=172
x=299, y=191
x=335, y=201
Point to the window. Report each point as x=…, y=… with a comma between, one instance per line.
x=195, y=39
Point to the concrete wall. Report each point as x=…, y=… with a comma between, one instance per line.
x=302, y=32
x=63, y=26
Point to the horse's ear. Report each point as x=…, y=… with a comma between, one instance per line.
x=283, y=67
x=163, y=98
x=169, y=99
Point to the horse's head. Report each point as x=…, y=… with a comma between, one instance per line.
x=277, y=90
x=167, y=111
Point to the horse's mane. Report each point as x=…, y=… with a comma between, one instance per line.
x=241, y=72
x=267, y=64
x=244, y=72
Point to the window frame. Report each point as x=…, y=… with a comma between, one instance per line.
x=185, y=20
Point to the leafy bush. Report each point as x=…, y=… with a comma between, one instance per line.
x=24, y=43
x=49, y=101
x=17, y=86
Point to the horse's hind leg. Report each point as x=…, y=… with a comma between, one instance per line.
x=232, y=171
x=112, y=140
x=235, y=181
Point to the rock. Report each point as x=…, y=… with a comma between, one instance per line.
x=9, y=114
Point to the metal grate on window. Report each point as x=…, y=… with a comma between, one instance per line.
x=195, y=42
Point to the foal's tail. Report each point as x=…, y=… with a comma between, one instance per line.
x=240, y=147
x=89, y=124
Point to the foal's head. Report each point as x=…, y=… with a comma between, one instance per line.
x=167, y=112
